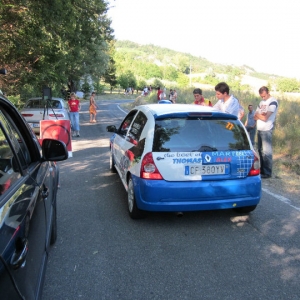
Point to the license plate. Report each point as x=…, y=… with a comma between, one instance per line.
x=36, y=125
x=204, y=170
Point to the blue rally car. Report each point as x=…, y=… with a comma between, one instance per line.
x=181, y=157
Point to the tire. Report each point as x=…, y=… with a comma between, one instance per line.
x=53, y=237
x=134, y=211
x=112, y=163
x=245, y=209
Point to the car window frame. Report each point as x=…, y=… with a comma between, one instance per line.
x=124, y=128
x=132, y=136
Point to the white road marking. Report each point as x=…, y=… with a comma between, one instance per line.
x=281, y=198
x=122, y=110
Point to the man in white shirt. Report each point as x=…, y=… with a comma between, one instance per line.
x=227, y=103
x=265, y=116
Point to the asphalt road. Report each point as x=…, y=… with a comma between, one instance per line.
x=102, y=254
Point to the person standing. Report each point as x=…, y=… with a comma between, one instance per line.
x=227, y=103
x=250, y=124
x=199, y=99
x=74, y=106
x=171, y=95
x=174, y=96
x=265, y=116
x=159, y=91
x=93, y=108
x=162, y=95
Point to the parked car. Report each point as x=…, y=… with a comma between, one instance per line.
x=28, y=186
x=37, y=109
x=165, y=101
x=184, y=158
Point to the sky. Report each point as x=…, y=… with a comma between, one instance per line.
x=262, y=34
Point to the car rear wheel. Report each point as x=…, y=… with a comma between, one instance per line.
x=112, y=163
x=133, y=210
x=245, y=209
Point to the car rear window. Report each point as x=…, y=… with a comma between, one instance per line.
x=39, y=103
x=199, y=134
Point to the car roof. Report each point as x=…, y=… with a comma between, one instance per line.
x=40, y=98
x=158, y=110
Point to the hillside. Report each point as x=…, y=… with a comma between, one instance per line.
x=142, y=56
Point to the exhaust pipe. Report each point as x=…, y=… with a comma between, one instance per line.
x=179, y=214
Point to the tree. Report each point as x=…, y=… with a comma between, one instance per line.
x=288, y=85
x=110, y=75
x=141, y=84
x=127, y=80
x=170, y=73
x=52, y=42
x=182, y=80
x=123, y=81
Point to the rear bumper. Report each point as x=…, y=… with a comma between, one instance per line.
x=35, y=126
x=160, y=195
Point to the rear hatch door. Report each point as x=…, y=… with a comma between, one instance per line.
x=201, y=148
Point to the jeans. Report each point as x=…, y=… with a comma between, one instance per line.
x=74, y=116
x=252, y=132
x=264, y=145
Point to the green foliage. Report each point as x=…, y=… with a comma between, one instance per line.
x=287, y=85
x=86, y=88
x=123, y=81
x=52, y=42
x=182, y=80
x=157, y=83
x=170, y=73
x=210, y=79
x=287, y=129
x=141, y=84
x=98, y=88
x=110, y=74
x=127, y=80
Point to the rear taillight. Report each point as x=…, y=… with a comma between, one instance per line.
x=56, y=115
x=149, y=169
x=27, y=115
x=255, y=169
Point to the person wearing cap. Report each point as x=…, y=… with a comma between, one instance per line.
x=199, y=99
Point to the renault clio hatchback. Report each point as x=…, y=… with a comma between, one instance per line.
x=179, y=157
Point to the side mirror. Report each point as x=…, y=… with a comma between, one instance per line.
x=111, y=128
x=3, y=71
x=54, y=150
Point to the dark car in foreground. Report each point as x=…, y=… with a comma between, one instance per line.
x=28, y=186
x=180, y=157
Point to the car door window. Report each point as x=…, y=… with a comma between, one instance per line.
x=8, y=173
x=136, y=129
x=14, y=137
x=126, y=123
